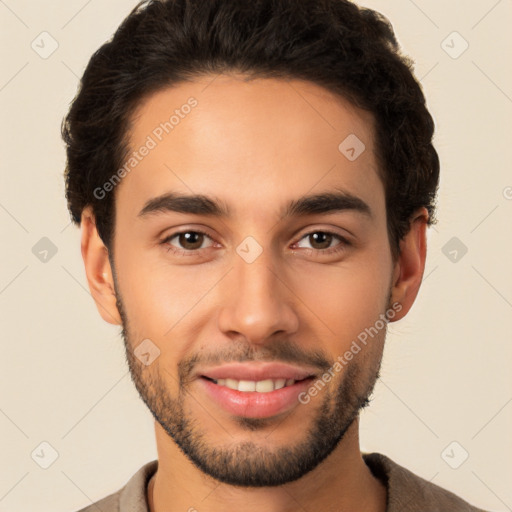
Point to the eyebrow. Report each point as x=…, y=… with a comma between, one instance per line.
x=198, y=204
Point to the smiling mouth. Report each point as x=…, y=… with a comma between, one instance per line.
x=259, y=386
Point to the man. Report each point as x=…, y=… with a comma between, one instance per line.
x=254, y=181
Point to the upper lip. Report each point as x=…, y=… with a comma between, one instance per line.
x=256, y=371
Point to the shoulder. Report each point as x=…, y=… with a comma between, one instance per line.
x=108, y=504
x=408, y=491
x=131, y=497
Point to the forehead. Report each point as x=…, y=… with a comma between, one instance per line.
x=248, y=141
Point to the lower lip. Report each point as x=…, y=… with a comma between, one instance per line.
x=252, y=404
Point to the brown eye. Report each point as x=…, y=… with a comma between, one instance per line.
x=186, y=241
x=320, y=240
x=323, y=243
x=191, y=240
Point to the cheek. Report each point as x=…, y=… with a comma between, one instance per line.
x=167, y=303
x=344, y=300
x=162, y=300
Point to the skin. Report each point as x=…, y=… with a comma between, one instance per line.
x=254, y=145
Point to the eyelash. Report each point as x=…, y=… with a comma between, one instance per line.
x=182, y=252
x=314, y=252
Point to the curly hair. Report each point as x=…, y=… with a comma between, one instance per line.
x=348, y=50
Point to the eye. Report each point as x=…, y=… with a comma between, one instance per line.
x=322, y=242
x=189, y=241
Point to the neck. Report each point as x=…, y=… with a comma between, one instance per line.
x=342, y=481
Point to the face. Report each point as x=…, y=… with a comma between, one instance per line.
x=236, y=302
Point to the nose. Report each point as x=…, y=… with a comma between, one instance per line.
x=257, y=301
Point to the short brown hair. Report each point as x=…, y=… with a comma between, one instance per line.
x=350, y=51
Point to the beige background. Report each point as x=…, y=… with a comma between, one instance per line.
x=446, y=373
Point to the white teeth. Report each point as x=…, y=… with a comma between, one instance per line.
x=281, y=383
x=261, y=386
x=246, y=385
x=264, y=386
x=231, y=384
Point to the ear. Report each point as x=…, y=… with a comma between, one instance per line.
x=98, y=270
x=410, y=264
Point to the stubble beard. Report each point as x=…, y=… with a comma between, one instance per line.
x=249, y=464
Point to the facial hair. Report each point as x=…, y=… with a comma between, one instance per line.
x=248, y=464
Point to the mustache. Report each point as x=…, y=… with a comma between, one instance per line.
x=282, y=351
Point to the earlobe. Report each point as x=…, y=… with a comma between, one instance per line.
x=98, y=270
x=410, y=265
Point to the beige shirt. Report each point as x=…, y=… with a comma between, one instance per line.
x=406, y=492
